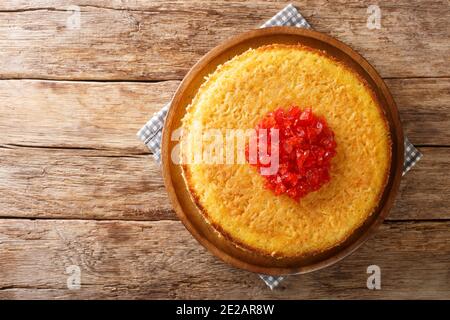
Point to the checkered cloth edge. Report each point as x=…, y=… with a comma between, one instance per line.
x=151, y=132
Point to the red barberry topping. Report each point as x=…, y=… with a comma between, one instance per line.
x=306, y=147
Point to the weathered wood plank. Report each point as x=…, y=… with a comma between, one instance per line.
x=107, y=115
x=161, y=260
x=79, y=114
x=81, y=184
x=162, y=40
x=89, y=184
x=424, y=109
x=425, y=190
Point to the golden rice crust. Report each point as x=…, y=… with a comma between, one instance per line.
x=233, y=198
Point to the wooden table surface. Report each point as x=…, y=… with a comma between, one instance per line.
x=78, y=188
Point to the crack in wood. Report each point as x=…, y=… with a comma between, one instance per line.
x=93, y=80
x=11, y=146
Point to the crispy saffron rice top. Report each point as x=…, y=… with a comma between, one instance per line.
x=232, y=197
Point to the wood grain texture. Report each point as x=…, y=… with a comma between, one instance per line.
x=81, y=184
x=79, y=114
x=107, y=115
x=142, y=260
x=424, y=109
x=159, y=40
x=68, y=149
x=92, y=184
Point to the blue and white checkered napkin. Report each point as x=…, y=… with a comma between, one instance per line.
x=151, y=132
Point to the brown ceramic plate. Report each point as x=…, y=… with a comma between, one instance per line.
x=179, y=194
